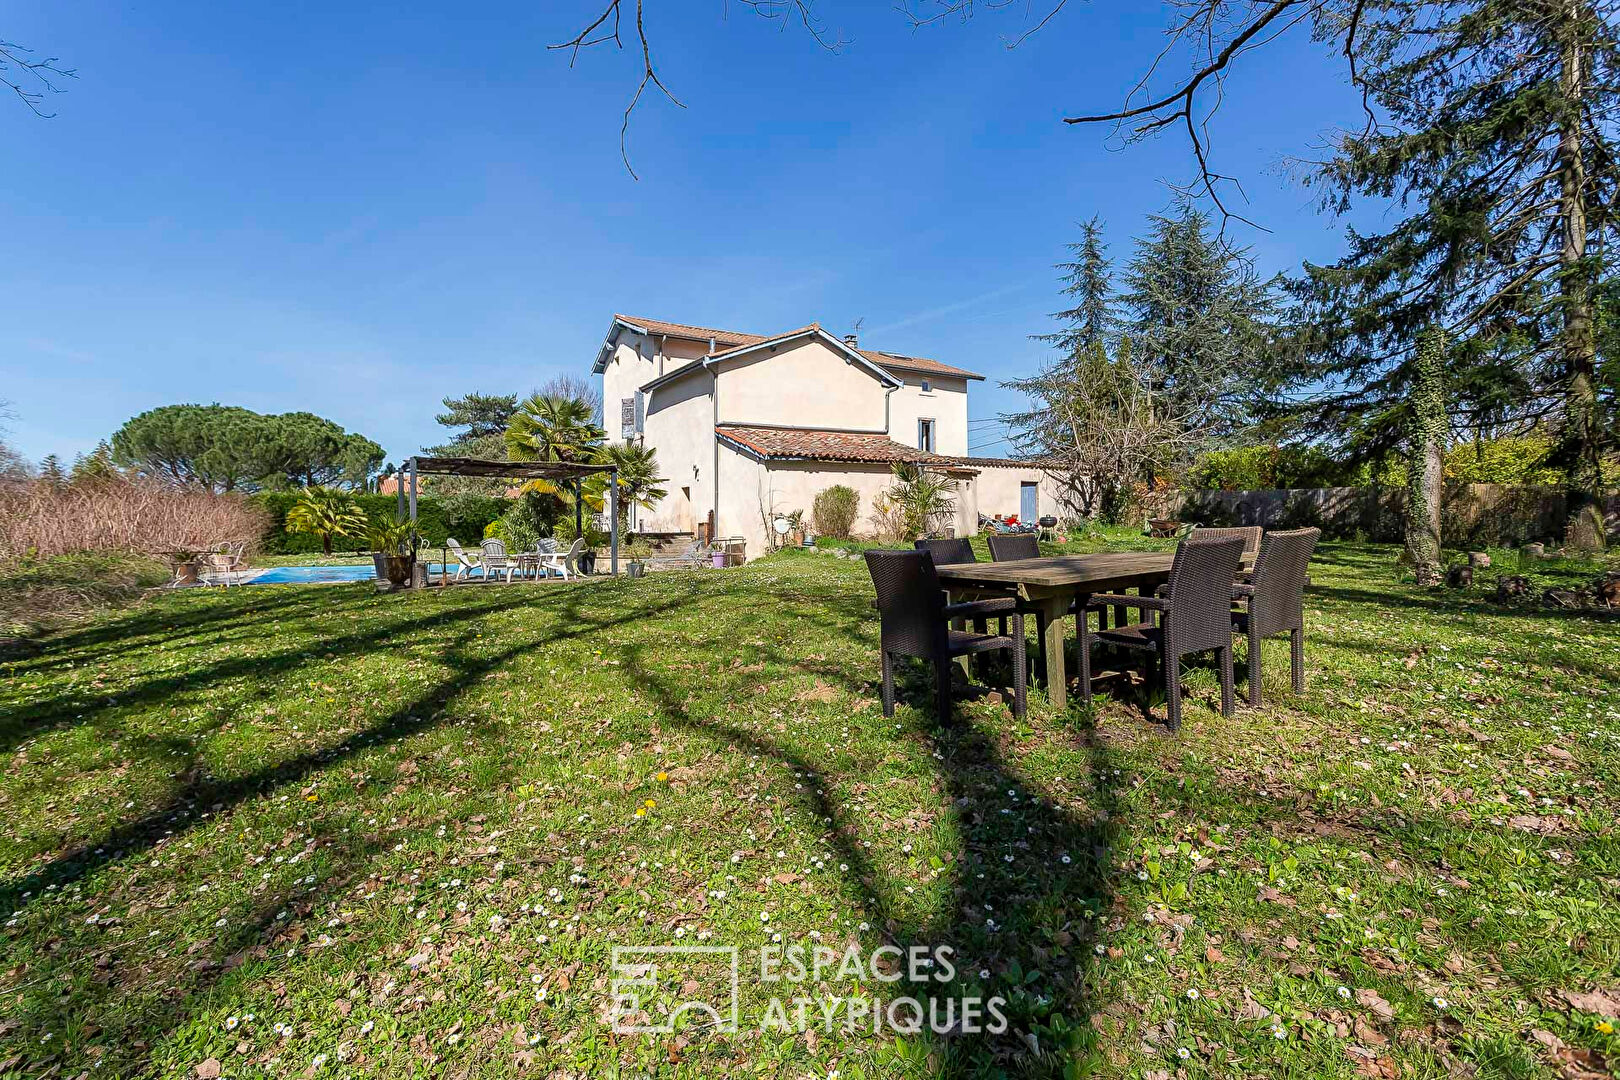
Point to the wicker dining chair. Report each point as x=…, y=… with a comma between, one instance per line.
x=1250, y=534
x=948, y=550
x=914, y=621
x=1012, y=548
x=953, y=550
x=1274, y=603
x=1195, y=617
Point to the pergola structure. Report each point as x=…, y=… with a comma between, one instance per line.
x=520, y=470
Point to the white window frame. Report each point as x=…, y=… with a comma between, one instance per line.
x=929, y=426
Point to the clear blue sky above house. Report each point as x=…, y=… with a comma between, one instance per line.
x=356, y=209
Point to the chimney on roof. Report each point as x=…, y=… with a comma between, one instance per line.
x=852, y=340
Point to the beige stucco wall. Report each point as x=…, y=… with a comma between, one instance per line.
x=787, y=486
x=998, y=490
x=945, y=403
x=743, y=487
x=751, y=493
x=636, y=361
x=807, y=384
x=680, y=428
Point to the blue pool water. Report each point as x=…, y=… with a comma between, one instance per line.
x=304, y=575
x=320, y=575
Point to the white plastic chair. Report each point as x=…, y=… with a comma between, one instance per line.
x=565, y=563
x=496, y=560
x=224, y=560
x=466, y=563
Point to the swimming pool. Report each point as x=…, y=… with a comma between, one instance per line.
x=319, y=575
x=312, y=575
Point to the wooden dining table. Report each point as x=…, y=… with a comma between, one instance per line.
x=1050, y=585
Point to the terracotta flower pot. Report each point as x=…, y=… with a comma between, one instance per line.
x=398, y=568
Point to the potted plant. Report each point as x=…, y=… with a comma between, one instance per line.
x=638, y=552
x=186, y=565
x=390, y=550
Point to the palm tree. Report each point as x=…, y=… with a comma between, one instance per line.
x=924, y=498
x=327, y=513
x=548, y=427
x=638, y=473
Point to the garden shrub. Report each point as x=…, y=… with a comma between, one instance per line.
x=1254, y=468
x=463, y=516
x=516, y=529
x=835, y=510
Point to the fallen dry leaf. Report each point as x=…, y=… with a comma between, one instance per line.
x=1602, y=1002
x=1371, y=999
x=208, y=1070
x=1547, y=1039
x=1369, y=1034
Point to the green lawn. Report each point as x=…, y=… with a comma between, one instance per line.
x=318, y=831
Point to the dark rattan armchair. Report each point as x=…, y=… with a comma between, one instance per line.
x=915, y=622
x=1195, y=617
x=1250, y=535
x=951, y=550
x=1012, y=548
x=948, y=550
x=1275, y=602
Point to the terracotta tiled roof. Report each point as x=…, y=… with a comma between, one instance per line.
x=691, y=333
x=802, y=445
x=731, y=339
x=919, y=364
x=718, y=353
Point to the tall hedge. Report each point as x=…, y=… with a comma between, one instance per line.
x=460, y=516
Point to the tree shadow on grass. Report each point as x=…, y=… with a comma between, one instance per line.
x=121, y=1027
x=1057, y=903
x=39, y=717
x=1023, y=858
x=153, y=624
x=1455, y=604
x=200, y=790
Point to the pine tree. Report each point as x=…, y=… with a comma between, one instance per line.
x=95, y=467
x=1426, y=453
x=1091, y=322
x=1497, y=130
x=480, y=416
x=1094, y=420
x=51, y=471
x=1199, y=316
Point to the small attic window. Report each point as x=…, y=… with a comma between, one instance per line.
x=927, y=386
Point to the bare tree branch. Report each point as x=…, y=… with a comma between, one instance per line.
x=33, y=79
x=649, y=75
x=1221, y=46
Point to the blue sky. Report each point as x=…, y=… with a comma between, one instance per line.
x=355, y=209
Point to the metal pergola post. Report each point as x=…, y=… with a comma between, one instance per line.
x=413, y=493
x=613, y=521
x=399, y=490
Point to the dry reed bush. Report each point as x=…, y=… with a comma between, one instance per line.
x=148, y=517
